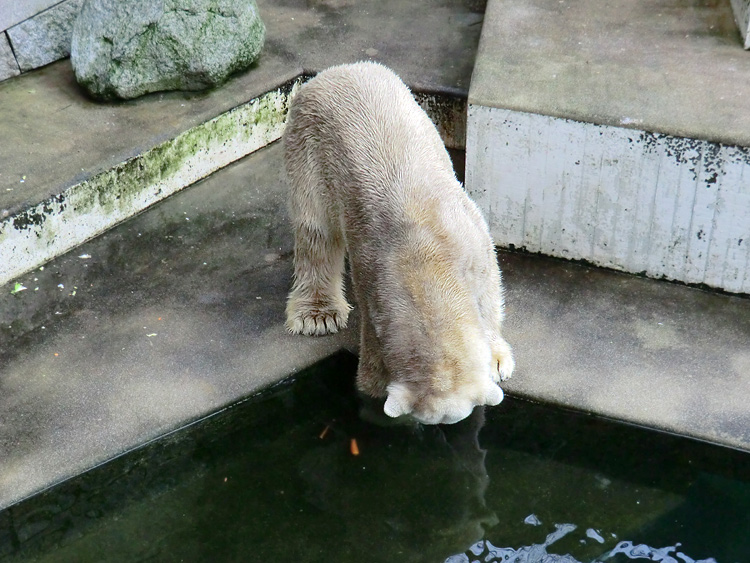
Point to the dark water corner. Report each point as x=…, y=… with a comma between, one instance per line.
x=276, y=478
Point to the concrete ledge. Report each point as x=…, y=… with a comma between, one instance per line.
x=33, y=236
x=615, y=133
x=654, y=65
x=646, y=352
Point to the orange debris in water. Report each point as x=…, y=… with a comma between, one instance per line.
x=325, y=431
x=353, y=447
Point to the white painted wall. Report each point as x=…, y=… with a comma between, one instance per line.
x=620, y=198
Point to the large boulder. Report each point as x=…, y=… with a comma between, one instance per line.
x=127, y=49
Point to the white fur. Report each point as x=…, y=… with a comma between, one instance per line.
x=371, y=179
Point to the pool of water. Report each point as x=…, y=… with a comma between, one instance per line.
x=308, y=472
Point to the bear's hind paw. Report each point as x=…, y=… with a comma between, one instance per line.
x=502, y=357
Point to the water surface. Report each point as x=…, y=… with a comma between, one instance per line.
x=277, y=479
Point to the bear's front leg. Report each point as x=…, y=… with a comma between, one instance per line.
x=316, y=304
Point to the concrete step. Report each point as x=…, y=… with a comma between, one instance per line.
x=617, y=133
x=71, y=168
x=178, y=313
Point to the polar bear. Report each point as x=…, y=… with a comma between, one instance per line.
x=371, y=180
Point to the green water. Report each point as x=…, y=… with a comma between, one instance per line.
x=517, y=483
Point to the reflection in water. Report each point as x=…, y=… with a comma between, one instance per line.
x=435, y=504
x=537, y=553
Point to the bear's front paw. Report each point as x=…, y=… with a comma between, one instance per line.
x=441, y=408
x=316, y=319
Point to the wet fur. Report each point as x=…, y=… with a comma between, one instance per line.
x=371, y=179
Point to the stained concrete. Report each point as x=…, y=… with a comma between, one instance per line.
x=667, y=66
x=178, y=313
x=616, y=133
x=37, y=234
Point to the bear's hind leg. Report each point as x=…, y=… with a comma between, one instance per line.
x=502, y=358
x=372, y=375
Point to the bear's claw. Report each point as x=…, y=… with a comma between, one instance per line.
x=317, y=322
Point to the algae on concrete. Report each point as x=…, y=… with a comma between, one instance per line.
x=61, y=222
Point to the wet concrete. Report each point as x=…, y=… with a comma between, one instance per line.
x=164, y=319
x=178, y=313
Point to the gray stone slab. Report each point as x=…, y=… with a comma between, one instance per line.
x=662, y=66
x=45, y=38
x=13, y=11
x=170, y=316
x=8, y=63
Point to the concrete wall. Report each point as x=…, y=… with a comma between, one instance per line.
x=34, y=33
x=741, y=9
x=620, y=198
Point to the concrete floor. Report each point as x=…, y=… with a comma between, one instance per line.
x=164, y=319
x=178, y=313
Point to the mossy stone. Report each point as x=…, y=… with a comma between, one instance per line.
x=127, y=49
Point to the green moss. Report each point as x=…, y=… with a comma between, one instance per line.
x=119, y=187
